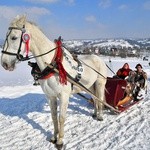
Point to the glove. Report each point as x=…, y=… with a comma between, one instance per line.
x=144, y=75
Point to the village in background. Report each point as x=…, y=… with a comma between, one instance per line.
x=111, y=47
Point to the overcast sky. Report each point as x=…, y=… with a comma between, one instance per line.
x=81, y=19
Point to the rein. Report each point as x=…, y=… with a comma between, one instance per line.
x=110, y=69
x=21, y=58
x=31, y=57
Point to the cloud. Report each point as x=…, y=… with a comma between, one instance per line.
x=105, y=3
x=42, y=1
x=37, y=11
x=146, y=5
x=71, y=2
x=8, y=13
x=95, y=23
x=123, y=7
x=90, y=18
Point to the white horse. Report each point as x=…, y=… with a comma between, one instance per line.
x=21, y=31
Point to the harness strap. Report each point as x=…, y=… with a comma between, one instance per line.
x=79, y=71
x=38, y=74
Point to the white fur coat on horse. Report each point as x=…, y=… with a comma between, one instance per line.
x=23, y=36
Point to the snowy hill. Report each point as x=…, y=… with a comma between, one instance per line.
x=114, y=43
x=26, y=124
x=128, y=43
x=109, y=43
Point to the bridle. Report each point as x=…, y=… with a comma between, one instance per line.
x=24, y=38
x=18, y=55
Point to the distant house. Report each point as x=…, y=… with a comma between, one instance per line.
x=132, y=53
x=97, y=50
x=114, y=51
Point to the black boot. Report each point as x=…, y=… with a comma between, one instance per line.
x=136, y=94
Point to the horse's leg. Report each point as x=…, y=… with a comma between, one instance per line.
x=100, y=93
x=64, y=99
x=93, y=90
x=53, y=106
x=95, y=108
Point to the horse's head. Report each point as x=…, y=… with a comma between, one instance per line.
x=15, y=43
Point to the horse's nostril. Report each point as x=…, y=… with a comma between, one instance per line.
x=5, y=65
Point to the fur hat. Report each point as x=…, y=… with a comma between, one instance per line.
x=138, y=65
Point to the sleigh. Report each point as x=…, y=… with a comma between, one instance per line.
x=115, y=94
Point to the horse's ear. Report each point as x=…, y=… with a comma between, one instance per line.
x=20, y=20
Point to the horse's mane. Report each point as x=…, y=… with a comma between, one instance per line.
x=19, y=21
x=34, y=24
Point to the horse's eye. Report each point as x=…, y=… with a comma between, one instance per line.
x=14, y=38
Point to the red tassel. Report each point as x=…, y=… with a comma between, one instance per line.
x=27, y=48
x=62, y=73
x=58, y=59
x=26, y=39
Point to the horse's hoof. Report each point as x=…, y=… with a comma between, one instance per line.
x=59, y=146
x=100, y=118
x=94, y=116
x=53, y=141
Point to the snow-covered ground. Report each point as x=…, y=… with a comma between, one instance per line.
x=26, y=124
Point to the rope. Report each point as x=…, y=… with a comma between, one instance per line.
x=110, y=69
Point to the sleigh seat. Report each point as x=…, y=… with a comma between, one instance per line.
x=115, y=90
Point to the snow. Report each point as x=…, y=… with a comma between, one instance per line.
x=26, y=124
x=114, y=43
x=73, y=43
x=100, y=43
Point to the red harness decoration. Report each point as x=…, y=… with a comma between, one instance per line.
x=26, y=39
x=58, y=59
x=48, y=76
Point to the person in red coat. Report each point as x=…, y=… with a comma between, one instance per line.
x=124, y=71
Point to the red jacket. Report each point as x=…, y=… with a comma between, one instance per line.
x=122, y=73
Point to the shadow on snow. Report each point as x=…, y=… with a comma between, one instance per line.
x=22, y=106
